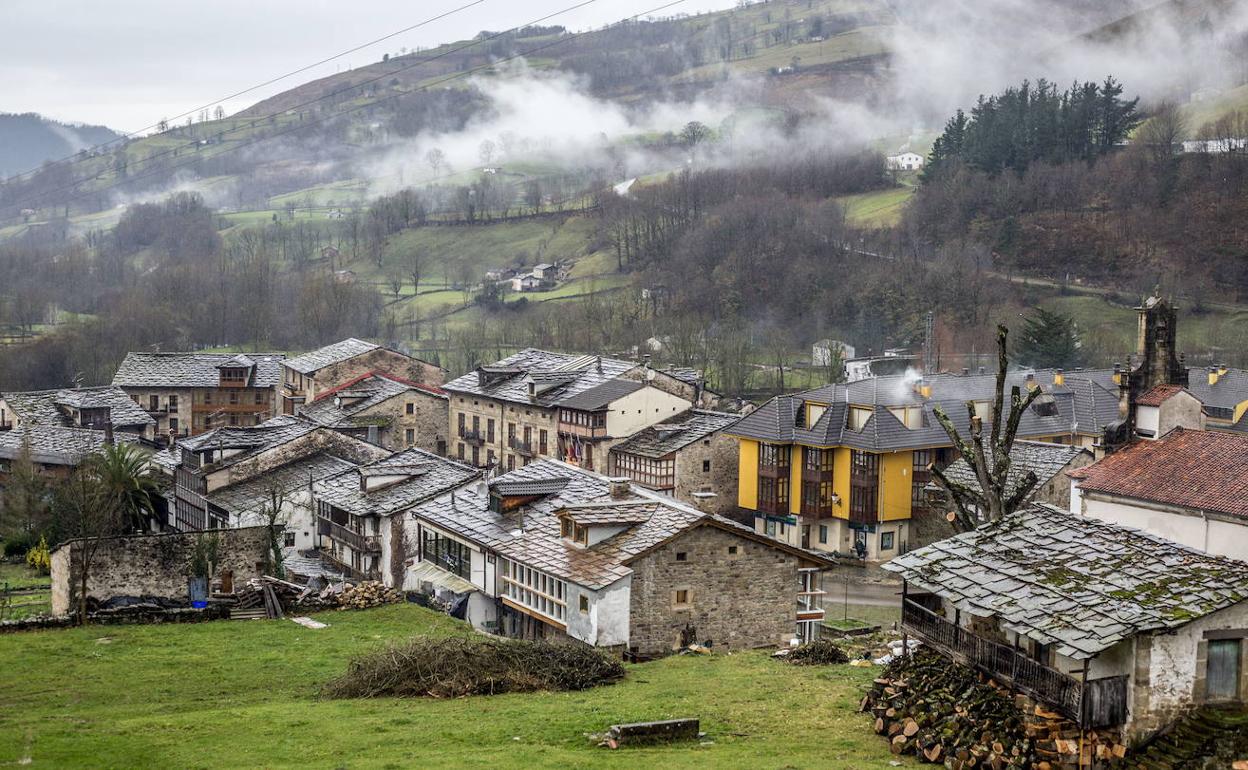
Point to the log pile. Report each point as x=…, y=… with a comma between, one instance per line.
x=944, y=713
x=949, y=714
x=367, y=594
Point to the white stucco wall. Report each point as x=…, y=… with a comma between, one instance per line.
x=1148, y=420
x=1193, y=529
x=641, y=409
x=605, y=623
x=1173, y=660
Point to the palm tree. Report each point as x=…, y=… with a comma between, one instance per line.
x=126, y=483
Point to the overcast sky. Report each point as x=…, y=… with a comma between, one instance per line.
x=127, y=64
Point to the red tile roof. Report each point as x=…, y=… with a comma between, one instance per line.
x=1158, y=394
x=1205, y=470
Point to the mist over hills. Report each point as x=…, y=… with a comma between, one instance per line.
x=27, y=140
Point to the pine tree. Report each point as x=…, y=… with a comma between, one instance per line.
x=1049, y=341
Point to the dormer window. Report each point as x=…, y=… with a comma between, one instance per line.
x=233, y=376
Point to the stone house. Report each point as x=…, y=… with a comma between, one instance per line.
x=384, y=410
x=305, y=377
x=156, y=565
x=355, y=509
x=95, y=408
x=688, y=457
x=1166, y=407
x=189, y=393
x=1049, y=462
x=55, y=451
x=551, y=551
x=1188, y=486
x=1109, y=626
x=206, y=465
x=537, y=404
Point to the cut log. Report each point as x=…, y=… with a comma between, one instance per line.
x=652, y=732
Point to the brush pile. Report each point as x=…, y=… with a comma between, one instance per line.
x=367, y=594
x=818, y=653
x=459, y=666
x=943, y=712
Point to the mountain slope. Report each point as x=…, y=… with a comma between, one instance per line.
x=27, y=140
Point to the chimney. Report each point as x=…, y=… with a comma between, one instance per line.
x=108, y=433
x=966, y=370
x=645, y=360
x=1031, y=381
x=923, y=388
x=1117, y=373
x=1059, y=377
x=1213, y=375
x=981, y=370
x=704, y=501
x=1222, y=369
x=619, y=487
x=598, y=363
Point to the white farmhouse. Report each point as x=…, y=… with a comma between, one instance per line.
x=905, y=161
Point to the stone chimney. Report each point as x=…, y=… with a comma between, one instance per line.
x=704, y=501
x=620, y=487
x=1059, y=377
x=1031, y=381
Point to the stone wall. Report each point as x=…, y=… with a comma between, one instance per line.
x=721, y=479
x=380, y=360
x=152, y=565
x=536, y=418
x=428, y=421
x=737, y=600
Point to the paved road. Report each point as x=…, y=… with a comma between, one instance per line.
x=877, y=594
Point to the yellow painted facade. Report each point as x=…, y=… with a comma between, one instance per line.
x=795, y=480
x=840, y=481
x=747, y=476
x=895, y=481
x=1240, y=408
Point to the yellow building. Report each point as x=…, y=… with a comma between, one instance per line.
x=843, y=468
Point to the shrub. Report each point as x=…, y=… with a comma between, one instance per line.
x=459, y=666
x=39, y=558
x=17, y=544
x=817, y=653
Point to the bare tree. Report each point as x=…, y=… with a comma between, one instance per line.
x=436, y=160
x=1163, y=131
x=272, y=513
x=415, y=267
x=993, y=499
x=87, y=516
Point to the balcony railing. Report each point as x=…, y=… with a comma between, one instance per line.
x=524, y=448
x=474, y=437
x=368, y=574
x=1096, y=703
x=348, y=536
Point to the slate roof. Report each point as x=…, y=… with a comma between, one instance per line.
x=1081, y=405
x=1078, y=583
x=56, y=445
x=43, y=407
x=357, y=397
x=191, y=370
x=532, y=533
x=1044, y=459
x=1229, y=391
x=318, y=359
x=252, y=439
x=251, y=495
x=432, y=476
x=558, y=376
x=628, y=512
x=1203, y=470
x=676, y=433
x=599, y=396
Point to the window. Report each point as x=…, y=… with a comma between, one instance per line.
x=583, y=603
x=773, y=494
x=409, y=436
x=817, y=460
x=771, y=528
x=706, y=466
x=476, y=425
x=511, y=462
x=489, y=430
x=920, y=476
x=410, y=407
x=732, y=550
x=459, y=451
x=886, y=541
x=511, y=434
x=541, y=442
x=461, y=428
x=681, y=598
x=864, y=487
x=449, y=554
x=566, y=527
x=773, y=456
x=682, y=556
x=234, y=397
x=288, y=539
x=476, y=455
x=580, y=533
x=259, y=397
x=823, y=534
x=173, y=403
x=154, y=403
x=533, y=589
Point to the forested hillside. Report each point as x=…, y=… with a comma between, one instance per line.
x=27, y=140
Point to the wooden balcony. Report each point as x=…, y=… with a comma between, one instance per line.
x=583, y=431
x=1095, y=703
x=347, y=536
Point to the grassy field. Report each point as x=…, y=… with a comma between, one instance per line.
x=245, y=695
x=881, y=208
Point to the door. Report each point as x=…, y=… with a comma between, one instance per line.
x=1222, y=674
x=806, y=536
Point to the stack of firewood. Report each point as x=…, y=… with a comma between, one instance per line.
x=945, y=713
x=367, y=594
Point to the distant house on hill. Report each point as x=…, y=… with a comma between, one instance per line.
x=905, y=161
x=821, y=352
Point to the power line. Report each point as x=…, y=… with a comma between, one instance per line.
x=302, y=125
x=353, y=86
x=235, y=95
